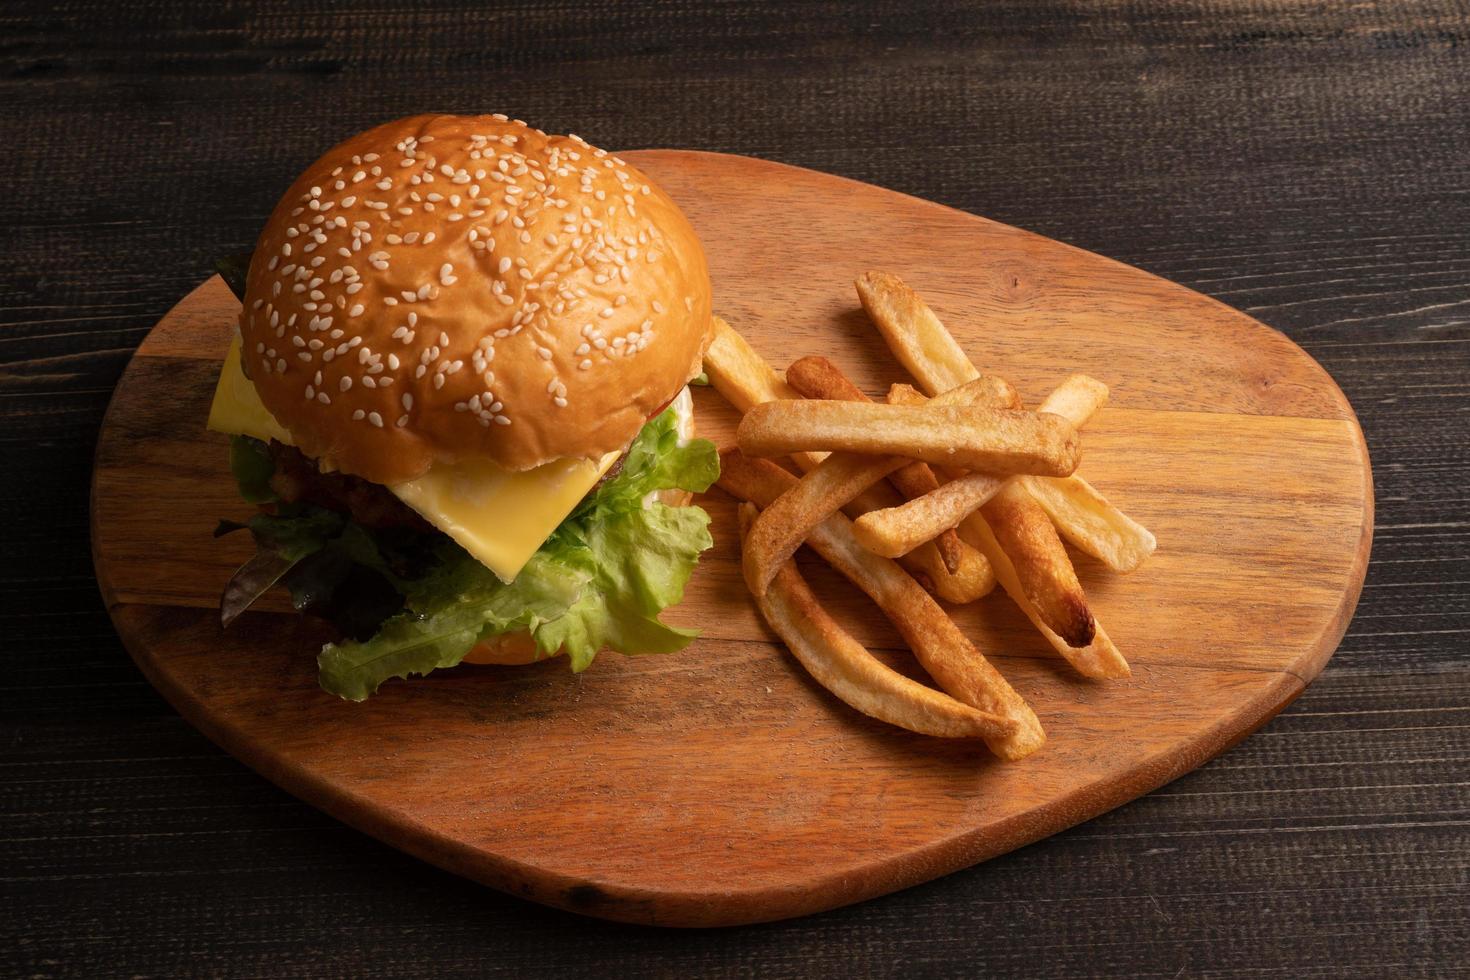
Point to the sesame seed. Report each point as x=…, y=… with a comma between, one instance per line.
x=358, y=415
x=375, y=419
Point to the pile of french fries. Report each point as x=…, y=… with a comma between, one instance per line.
x=940, y=491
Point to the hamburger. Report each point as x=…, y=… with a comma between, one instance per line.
x=458, y=396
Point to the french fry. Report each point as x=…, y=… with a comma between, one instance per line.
x=744, y=379
x=738, y=373
x=1076, y=399
x=1083, y=515
x=841, y=664
x=898, y=530
x=1099, y=659
x=1041, y=580
x=785, y=524
x=922, y=344
x=914, y=334
x=944, y=651
x=1085, y=518
x=817, y=377
x=991, y=439
x=1042, y=566
x=969, y=582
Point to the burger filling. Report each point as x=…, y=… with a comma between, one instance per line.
x=406, y=598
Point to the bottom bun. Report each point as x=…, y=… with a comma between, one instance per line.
x=514, y=649
x=507, y=649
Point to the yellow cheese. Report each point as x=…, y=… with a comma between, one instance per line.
x=499, y=516
x=237, y=409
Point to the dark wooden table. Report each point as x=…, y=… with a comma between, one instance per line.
x=1308, y=163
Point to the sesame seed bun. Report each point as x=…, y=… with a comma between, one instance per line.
x=444, y=287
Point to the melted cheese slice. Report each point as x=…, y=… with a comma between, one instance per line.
x=498, y=515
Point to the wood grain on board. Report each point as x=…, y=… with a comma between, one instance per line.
x=719, y=785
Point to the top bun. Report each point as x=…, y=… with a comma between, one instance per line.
x=444, y=287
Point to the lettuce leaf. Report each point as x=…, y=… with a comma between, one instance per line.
x=233, y=269
x=600, y=581
x=639, y=557
x=282, y=542
x=470, y=605
x=252, y=467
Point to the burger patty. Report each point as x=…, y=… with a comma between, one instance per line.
x=297, y=480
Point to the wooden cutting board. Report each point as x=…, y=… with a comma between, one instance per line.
x=720, y=785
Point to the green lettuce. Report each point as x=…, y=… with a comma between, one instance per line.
x=252, y=467
x=233, y=270
x=599, y=582
x=470, y=606
x=638, y=557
